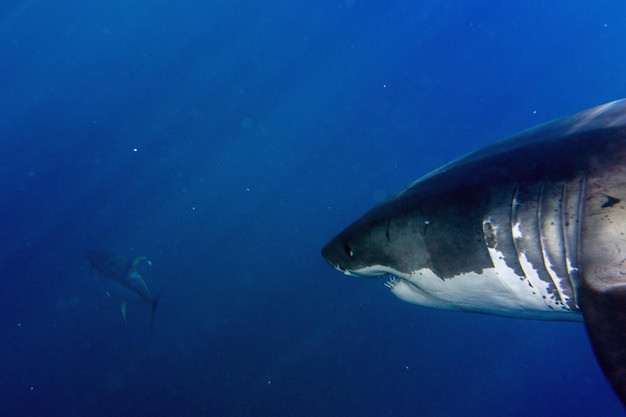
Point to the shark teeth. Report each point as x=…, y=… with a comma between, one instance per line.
x=393, y=281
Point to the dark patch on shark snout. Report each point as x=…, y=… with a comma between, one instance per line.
x=610, y=201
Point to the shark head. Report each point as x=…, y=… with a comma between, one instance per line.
x=377, y=245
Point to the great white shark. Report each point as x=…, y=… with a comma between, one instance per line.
x=124, y=272
x=533, y=226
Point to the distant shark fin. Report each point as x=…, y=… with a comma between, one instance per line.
x=123, y=307
x=138, y=259
x=132, y=271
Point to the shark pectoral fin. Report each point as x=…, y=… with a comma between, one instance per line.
x=605, y=318
x=138, y=259
x=123, y=307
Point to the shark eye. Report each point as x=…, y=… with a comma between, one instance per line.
x=348, y=250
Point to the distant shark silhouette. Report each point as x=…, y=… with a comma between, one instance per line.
x=124, y=272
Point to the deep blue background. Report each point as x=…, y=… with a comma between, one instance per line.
x=228, y=141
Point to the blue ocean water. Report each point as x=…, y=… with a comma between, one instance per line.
x=227, y=142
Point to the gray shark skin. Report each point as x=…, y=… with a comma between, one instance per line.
x=533, y=226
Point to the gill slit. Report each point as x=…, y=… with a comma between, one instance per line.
x=579, y=219
x=514, y=207
x=543, y=245
x=572, y=240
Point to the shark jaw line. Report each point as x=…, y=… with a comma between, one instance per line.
x=374, y=271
